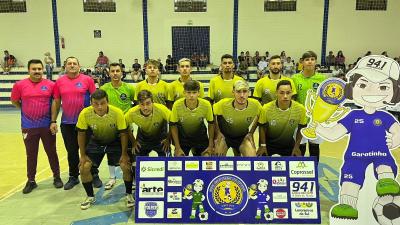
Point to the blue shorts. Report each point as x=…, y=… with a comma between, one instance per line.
x=353, y=169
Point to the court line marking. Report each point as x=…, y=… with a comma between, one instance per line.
x=19, y=187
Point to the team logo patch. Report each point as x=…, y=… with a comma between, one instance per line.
x=44, y=88
x=249, y=119
x=78, y=85
x=315, y=86
x=377, y=122
x=150, y=209
x=156, y=124
x=267, y=91
x=123, y=96
x=227, y=195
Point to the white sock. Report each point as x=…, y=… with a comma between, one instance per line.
x=112, y=171
x=386, y=175
x=349, y=200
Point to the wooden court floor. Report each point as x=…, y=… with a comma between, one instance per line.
x=47, y=205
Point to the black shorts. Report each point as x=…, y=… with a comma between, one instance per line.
x=196, y=150
x=234, y=142
x=281, y=152
x=96, y=153
x=146, y=148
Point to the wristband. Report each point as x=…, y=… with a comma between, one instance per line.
x=53, y=121
x=263, y=145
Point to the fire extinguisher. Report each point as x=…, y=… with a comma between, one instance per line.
x=62, y=42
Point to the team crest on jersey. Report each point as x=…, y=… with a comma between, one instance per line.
x=113, y=125
x=219, y=92
x=229, y=120
x=78, y=85
x=156, y=124
x=377, y=122
x=227, y=195
x=291, y=122
x=315, y=86
x=273, y=122
x=267, y=91
x=249, y=119
x=44, y=88
x=123, y=96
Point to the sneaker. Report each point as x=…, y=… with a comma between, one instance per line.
x=72, y=181
x=344, y=211
x=89, y=201
x=97, y=183
x=58, y=182
x=387, y=186
x=110, y=184
x=130, y=201
x=29, y=186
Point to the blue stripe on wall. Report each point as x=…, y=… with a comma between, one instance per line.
x=325, y=31
x=145, y=31
x=56, y=34
x=235, y=28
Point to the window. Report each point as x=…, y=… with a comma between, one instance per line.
x=12, y=6
x=190, y=5
x=99, y=6
x=371, y=5
x=279, y=5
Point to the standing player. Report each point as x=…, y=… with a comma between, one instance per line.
x=278, y=121
x=176, y=87
x=121, y=95
x=107, y=129
x=265, y=89
x=187, y=123
x=221, y=86
x=153, y=83
x=33, y=96
x=307, y=79
x=73, y=90
x=233, y=116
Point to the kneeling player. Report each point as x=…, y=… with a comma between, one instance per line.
x=107, y=129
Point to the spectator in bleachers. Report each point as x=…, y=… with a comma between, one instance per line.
x=203, y=61
x=256, y=58
x=330, y=60
x=267, y=56
x=249, y=59
x=195, y=60
x=299, y=66
x=102, y=60
x=262, y=68
x=288, y=67
x=283, y=56
x=242, y=59
x=136, y=70
x=160, y=67
x=122, y=65
x=49, y=61
x=170, y=65
x=9, y=62
x=340, y=60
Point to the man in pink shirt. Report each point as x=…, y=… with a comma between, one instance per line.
x=33, y=96
x=73, y=90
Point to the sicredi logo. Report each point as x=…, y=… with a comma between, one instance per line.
x=280, y=213
x=151, y=189
x=174, y=213
x=243, y=165
x=279, y=182
x=174, y=165
x=151, y=210
x=192, y=165
x=174, y=181
x=174, y=197
x=302, y=169
x=225, y=165
x=260, y=165
x=278, y=165
x=209, y=165
x=304, y=210
x=153, y=169
x=279, y=197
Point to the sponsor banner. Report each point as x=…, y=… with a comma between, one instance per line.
x=225, y=190
x=302, y=169
x=151, y=209
x=152, y=169
x=303, y=189
x=304, y=210
x=151, y=189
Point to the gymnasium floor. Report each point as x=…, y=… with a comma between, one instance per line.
x=47, y=205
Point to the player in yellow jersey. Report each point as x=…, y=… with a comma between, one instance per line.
x=187, y=123
x=121, y=95
x=265, y=89
x=102, y=130
x=153, y=83
x=221, y=86
x=233, y=117
x=278, y=121
x=176, y=91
